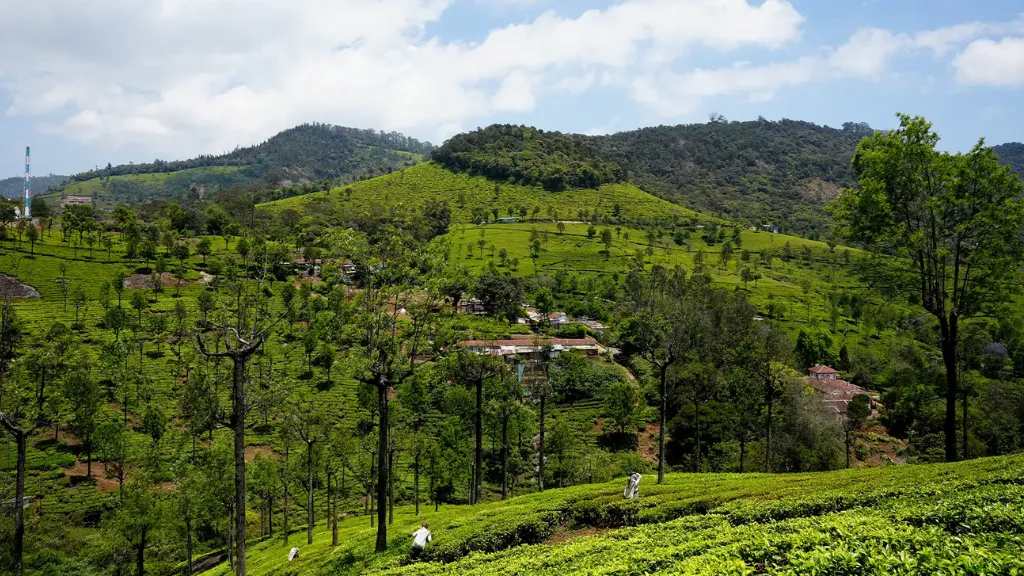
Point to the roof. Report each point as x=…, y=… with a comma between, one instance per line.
x=529, y=340
x=555, y=315
x=821, y=369
x=837, y=393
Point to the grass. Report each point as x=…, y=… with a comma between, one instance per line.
x=924, y=519
x=413, y=187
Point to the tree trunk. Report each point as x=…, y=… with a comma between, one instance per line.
x=391, y=486
x=504, y=458
x=334, y=512
x=21, y=439
x=540, y=462
x=88, y=457
x=416, y=482
x=382, y=466
x=238, y=423
x=309, y=492
x=696, y=412
x=188, y=542
x=140, y=558
x=847, y=442
x=948, y=331
x=963, y=406
x=768, y=432
x=743, y=447
x=270, y=517
x=478, y=478
x=662, y=417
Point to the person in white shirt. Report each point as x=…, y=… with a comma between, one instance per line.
x=419, y=540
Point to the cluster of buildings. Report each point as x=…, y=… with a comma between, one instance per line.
x=533, y=316
x=530, y=344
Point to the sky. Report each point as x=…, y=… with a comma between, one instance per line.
x=86, y=83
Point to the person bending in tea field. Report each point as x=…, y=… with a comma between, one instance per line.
x=419, y=540
x=632, y=486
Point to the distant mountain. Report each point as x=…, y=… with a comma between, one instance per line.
x=15, y=187
x=1012, y=154
x=310, y=153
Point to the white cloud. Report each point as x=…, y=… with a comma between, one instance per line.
x=867, y=52
x=994, y=63
x=180, y=77
x=187, y=76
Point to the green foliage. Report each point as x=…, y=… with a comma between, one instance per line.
x=522, y=155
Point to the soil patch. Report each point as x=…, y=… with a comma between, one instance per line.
x=103, y=484
x=140, y=281
x=264, y=451
x=15, y=289
x=648, y=440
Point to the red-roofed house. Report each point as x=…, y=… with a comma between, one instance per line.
x=836, y=393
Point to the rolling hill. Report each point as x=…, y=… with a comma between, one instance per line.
x=415, y=187
x=15, y=187
x=1012, y=154
x=306, y=153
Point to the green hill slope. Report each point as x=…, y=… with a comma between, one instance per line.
x=961, y=518
x=306, y=153
x=413, y=188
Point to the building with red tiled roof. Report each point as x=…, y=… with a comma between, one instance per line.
x=836, y=393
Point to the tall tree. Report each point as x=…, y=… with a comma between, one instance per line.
x=946, y=228
x=473, y=370
x=244, y=325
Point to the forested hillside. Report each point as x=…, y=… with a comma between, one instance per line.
x=779, y=173
x=522, y=155
x=1012, y=154
x=306, y=158
x=15, y=187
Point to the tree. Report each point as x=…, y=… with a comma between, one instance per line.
x=204, y=247
x=474, y=370
x=501, y=295
x=246, y=322
x=506, y=393
x=20, y=416
x=136, y=519
x=857, y=412
x=32, y=233
x=606, y=239
x=561, y=227
x=953, y=223
x=308, y=424
x=661, y=328
x=85, y=396
x=622, y=406
x=591, y=231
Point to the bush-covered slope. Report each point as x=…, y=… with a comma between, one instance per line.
x=961, y=518
x=469, y=197
x=15, y=187
x=1012, y=154
x=524, y=155
x=759, y=171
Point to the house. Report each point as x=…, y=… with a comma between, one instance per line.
x=593, y=325
x=559, y=319
x=471, y=306
x=534, y=315
x=526, y=344
x=770, y=228
x=77, y=200
x=508, y=220
x=836, y=393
